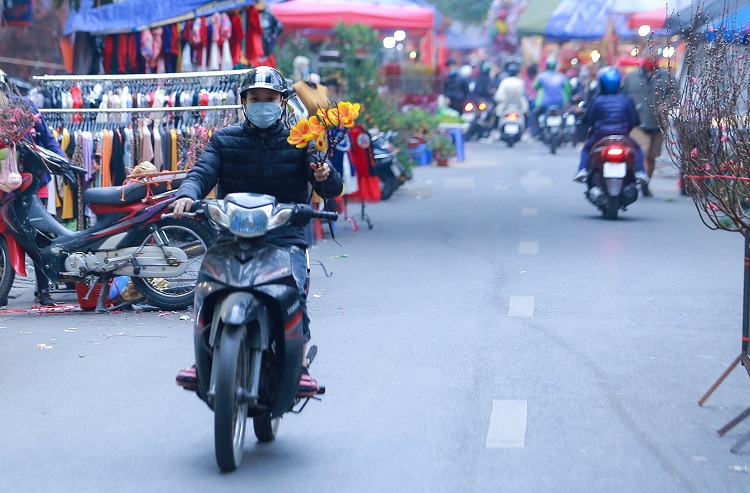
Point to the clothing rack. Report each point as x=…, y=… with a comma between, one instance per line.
x=135, y=77
x=156, y=109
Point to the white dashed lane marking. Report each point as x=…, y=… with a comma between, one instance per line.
x=528, y=247
x=521, y=306
x=507, y=424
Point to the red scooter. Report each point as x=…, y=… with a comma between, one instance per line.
x=129, y=238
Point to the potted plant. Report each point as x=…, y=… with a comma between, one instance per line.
x=442, y=147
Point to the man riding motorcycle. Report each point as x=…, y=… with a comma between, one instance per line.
x=610, y=113
x=553, y=88
x=511, y=92
x=254, y=156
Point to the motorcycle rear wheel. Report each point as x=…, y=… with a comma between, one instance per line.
x=610, y=211
x=7, y=274
x=230, y=415
x=176, y=293
x=266, y=427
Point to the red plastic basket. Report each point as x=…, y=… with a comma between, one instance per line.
x=88, y=304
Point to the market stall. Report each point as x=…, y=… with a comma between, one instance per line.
x=140, y=36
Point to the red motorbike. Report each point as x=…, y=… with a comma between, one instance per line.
x=129, y=237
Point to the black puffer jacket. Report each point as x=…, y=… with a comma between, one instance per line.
x=242, y=158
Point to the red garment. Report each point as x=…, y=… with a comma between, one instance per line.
x=253, y=40
x=269, y=61
x=122, y=53
x=205, y=42
x=174, y=49
x=109, y=46
x=238, y=34
x=363, y=161
x=77, y=96
x=132, y=65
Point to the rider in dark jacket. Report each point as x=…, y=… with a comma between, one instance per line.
x=610, y=113
x=254, y=156
x=456, y=87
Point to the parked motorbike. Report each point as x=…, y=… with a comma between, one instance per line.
x=511, y=125
x=611, y=179
x=390, y=171
x=551, y=125
x=248, y=321
x=128, y=239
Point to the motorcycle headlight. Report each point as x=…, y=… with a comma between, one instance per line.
x=248, y=223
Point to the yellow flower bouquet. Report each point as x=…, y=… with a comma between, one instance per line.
x=326, y=129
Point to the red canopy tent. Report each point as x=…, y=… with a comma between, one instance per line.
x=311, y=14
x=324, y=14
x=655, y=19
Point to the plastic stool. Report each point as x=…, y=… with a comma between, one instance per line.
x=426, y=156
x=458, y=140
x=420, y=155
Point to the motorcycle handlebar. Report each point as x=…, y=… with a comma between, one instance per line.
x=326, y=215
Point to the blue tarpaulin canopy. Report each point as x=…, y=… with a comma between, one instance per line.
x=734, y=26
x=135, y=15
x=582, y=19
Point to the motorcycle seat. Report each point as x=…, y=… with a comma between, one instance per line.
x=130, y=192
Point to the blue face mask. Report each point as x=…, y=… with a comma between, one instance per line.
x=263, y=115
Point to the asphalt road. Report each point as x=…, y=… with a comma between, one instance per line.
x=490, y=333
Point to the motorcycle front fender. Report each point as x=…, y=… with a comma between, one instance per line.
x=238, y=308
x=16, y=256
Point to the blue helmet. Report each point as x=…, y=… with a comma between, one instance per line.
x=609, y=80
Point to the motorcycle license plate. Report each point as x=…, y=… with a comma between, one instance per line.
x=554, y=121
x=614, y=170
x=512, y=128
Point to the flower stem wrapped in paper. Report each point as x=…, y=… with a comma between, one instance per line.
x=324, y=130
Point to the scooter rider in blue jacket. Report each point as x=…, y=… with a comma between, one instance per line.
x=611, y=113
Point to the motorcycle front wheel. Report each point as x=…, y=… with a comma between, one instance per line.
x=230, y=413
x=7, y=274
x=194, y=238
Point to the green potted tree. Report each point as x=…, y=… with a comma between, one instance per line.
x=442, y=147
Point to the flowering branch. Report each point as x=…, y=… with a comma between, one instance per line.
x=706, y=127
x=326, y=129
x=17, y=120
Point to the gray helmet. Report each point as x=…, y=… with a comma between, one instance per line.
x=263, y=78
